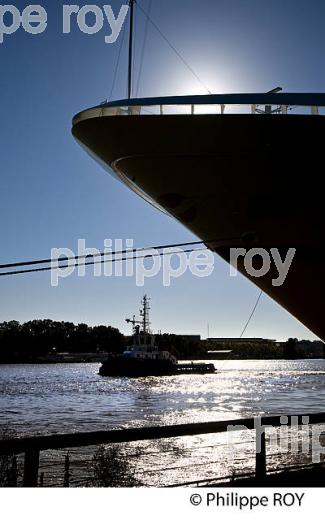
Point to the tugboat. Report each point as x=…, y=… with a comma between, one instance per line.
x=144, y=358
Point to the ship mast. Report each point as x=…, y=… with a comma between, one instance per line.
x=131, y=3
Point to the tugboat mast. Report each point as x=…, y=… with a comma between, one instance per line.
x=144, y=314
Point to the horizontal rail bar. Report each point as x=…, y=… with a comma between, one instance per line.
x=300, y=99
x=67, y=440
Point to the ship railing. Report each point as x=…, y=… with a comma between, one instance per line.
x=222, y=104
x=31, y=447
x=165, y=110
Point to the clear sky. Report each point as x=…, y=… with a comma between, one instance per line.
x=52, y=193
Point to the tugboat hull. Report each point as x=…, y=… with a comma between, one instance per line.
x=130, y=367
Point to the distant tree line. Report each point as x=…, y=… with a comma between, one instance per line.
x=39, y=338
x=290, y=349
x=295, y=349
x=43, y=339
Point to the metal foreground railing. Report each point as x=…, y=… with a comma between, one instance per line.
x=225, y=104
x=31, y=447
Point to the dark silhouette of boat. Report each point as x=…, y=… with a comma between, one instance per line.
x=239, y=170
x=124, y=366
x=143, y=357
x=245, y=176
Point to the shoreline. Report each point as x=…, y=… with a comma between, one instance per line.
x=199, y=358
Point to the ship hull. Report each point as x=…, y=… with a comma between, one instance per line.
x=235, y=181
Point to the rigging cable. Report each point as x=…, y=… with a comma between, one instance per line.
x=143, y=47
x=221, y=241
x=252, y=313
x=117, y=62
x=173, y=48
x=114, y=258
x=244, y=329
x=109, y=260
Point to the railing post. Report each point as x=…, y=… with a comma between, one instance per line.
x=66, y=471
x=12, y=473
x=31, y=464
x=260, y=471
x=41, y=480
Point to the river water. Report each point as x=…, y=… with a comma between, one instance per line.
x=43, y=399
